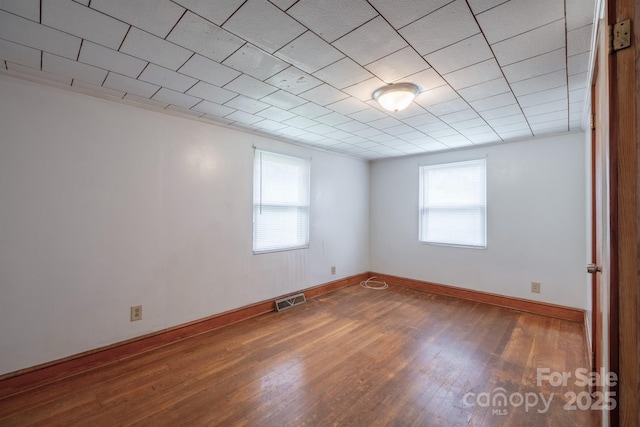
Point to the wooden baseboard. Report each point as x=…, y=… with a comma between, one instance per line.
x=26, y=379
x=536, y=307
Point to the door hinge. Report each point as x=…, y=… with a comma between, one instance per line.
x=620, y=35
x=592, y=123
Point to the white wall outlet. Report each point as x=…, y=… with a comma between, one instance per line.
x=136, y=312
x=535, y=287
x=333, y=269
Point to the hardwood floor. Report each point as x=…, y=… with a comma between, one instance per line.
x=355, y=357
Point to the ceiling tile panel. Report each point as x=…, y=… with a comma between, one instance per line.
x=466, y=52
x=250, y=87
x=447, y=107
x=246, y=104
x=213, y=109
x=536, y=66
x=518, y=16
x=208, y=71
x=300, y=122
x=516, y=135
x=331, y=19
x=420, y=120
x=218, y=44
x=176, y=98
x=426, y=79
x=579, y=40
x=167, y=78
x=36, y=75
x=343, y=73
x=76, y=70
x=81, y=21
x=283, y=100
x=578, y=64
x=385, y=123
x=485, y=90
x=411, y=111
x=144, y=102
x=492, y=102
x=479, y=6
x=129, y=85
x=368, y=115
x=217, y=12
x=505, y=111
x=403, y=12
x=546, y=107
x=270, y=125
x=291, y=131
x=578, y=81
x=436, y=96
x=398, y=65
x=20, y=54
x=445, y=26
x=29, y=9
x=323, y=95
x=94, y=90
x=352, y=126
x=372, y=41
x=309, y=53
x=532, y=43
x=474, y=74
x=364, y=90
x=264, y=25
x=146, y=46
x=333, y=119
x=242, y=117
x=348, y=106
x=255, y=62
x=109, y=59
x=294, y=80
x=155, y=16
x=310, y=110
x=28, y=33
x=542, y=97
x=579, y=13
x=508, y=120
x=211, y=93
x=548, y=117
x=540, y=83
x=277, y=114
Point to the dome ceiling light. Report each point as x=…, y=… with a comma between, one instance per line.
x=396, y=97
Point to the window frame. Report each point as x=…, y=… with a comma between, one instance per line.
x=258, y=204
x=471, y=206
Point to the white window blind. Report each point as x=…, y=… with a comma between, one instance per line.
x=453, y=204
x=280, y=202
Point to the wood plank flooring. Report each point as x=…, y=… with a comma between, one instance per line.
x=355, y=357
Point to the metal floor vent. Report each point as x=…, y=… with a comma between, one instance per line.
x=288, y=302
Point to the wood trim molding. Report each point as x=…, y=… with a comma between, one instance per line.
x=36, y=376
x=535, y=307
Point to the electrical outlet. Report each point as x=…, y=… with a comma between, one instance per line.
x=333, y=269
x=136, y=312
x=535, y=287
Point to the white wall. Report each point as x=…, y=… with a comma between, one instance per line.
x=104, y=206
x=536, y=222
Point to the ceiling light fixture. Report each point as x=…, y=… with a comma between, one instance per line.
x=396, y=97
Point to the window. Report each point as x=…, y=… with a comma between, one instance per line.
x=280, y=202
x=453, y=204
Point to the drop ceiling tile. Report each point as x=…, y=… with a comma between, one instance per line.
x=321, y=129
x=493, y=102
x=485, y=138
x=549, y=127
x=403, y=12
x=276, y=114
x=510, y=128
x=255, y=62
x=300, y=122
x=540, y=83
x=548, y=117
x=577, y=95
x=368, y=115
x=356, y=140
x=496, y=113
x=145, y=102
x=352, y=126
x=455, y=141
x=250, y=87
x=445, y=26
x=284, y=4
x=420, y=120
x=216, y=120
x=211, y=93
x=485, y=90
x=579, y=40
x=448, y=107
x=578, y=64
x=518, y=16
x=507, y=120
x=309, y=53
x=367, y=132
x=25, y=32
x=35, y=75
x=385, y=123
x=518, y=134
x=208, y=71
x=348, y=106
x=579, y=13
x=399, y=130
x=443, y=133
x=129, y=85
x=76, y=19
x=459, y=55
x=339, y=135
x=153, y=16
x=218, y=44
x=331, y=19
x=382, y=138
x=464, y=119
x=270, y=125
x=343, y=73
x=246, y=104
x=400, y=64
x=323, y=95
x=294, y=80
x=546, y=107
x=310, y=110
x=578, y=81
x=333, y=119
x=436, y=96
x=535, y=42
x=94, y=90
x=416, y=137
x=291, y=131
x=29, y=9
x=364, y=90
x=20, y=54
x=477, y=130
x=542, y=97
x=474, y=74
x=111, y=60
x=213, y=109
x=370, y=42
x=217, y=12
x=176, y=98
x=242, y=117
x=536, y=66
x=283, y=100
x=364, y=143
x=167, y=78
x=426, y=80
x=264, y=25
x=479, y=6
x=154, y=49
x=76, y=70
